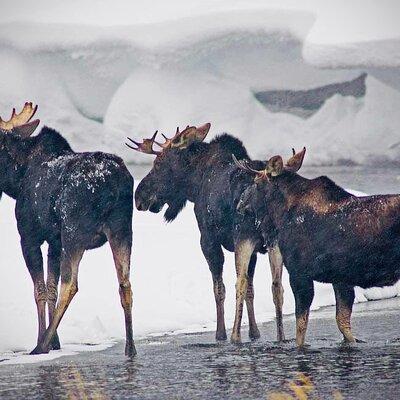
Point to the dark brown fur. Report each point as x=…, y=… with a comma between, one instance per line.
x=328, y=235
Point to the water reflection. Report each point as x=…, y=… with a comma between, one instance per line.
x=195, y=367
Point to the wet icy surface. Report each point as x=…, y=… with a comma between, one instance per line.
x=194, y=366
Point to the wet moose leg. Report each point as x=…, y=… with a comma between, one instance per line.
x=215, y=259
x=344, y=305
x=34, y=262
x=276, y=264
x=243, y=252
x=53, y=277
x=254, y=333
x=121, y=245
x=70, y=259
x=303, y=290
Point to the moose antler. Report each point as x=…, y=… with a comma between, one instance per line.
x=244, y=165
x=19, y=123
x=145, y=147
x=183, y=139
x=169, y=141
x=180, y=139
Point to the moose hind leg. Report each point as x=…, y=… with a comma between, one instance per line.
x=70, y=259
x=121, y=245
x=53, y=277
x=254, y=332
x=276, y=264
x=303, y=290
x=344, y=305
x=34, y=262
x=243, y=252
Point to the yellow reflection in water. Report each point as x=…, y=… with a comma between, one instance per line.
x=302, y=389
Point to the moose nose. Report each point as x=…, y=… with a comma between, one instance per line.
x=139, y=205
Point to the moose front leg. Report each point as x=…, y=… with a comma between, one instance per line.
x=276, y=265
x=254, y=333
x=34, y=261
x=303, y=290
x=215, y=259
x=70, y=259
x=53, y=277
x=243, y=252
x=344, y=305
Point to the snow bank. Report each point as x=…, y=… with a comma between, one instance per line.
x=140, y=68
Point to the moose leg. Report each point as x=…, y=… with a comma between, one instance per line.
x=215, y=259
x=34, y=262
x=70, y=259
x=121, y=245
x=243, y=252
x=53, y=277
x=276, y=264
x=344, y=305
x=303, y=290
x=254, y=333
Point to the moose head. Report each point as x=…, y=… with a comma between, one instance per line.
x=266, y=180
x=275, y=166
x=167, y=182
x=19, y=127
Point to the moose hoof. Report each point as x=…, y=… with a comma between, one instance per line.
x=254, y=334
x=39, y=350
x=130, y=350
x=220, y=335
x=281, y=338
x=236, y=339
x=55, y=343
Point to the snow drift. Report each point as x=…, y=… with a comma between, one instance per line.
x=102, y=75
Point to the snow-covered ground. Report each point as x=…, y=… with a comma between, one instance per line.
x=101, y=72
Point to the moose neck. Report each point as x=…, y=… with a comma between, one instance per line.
x=319, y=195
x=205, y=160
x=21, y=154
x=11, y=179
x=282, y=193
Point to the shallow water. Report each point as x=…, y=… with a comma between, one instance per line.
x=194, y=366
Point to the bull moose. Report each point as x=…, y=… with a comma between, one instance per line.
x=74, y=202
x=327, y=235
x=188, y=169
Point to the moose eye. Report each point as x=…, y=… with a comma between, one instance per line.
x=156, y=165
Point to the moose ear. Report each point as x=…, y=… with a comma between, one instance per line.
x=191, y=134
x=26, y=130
x=202, y=131
x=296, y=161
x=275, y=166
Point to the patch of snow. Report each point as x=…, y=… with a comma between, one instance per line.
x=67, y=350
